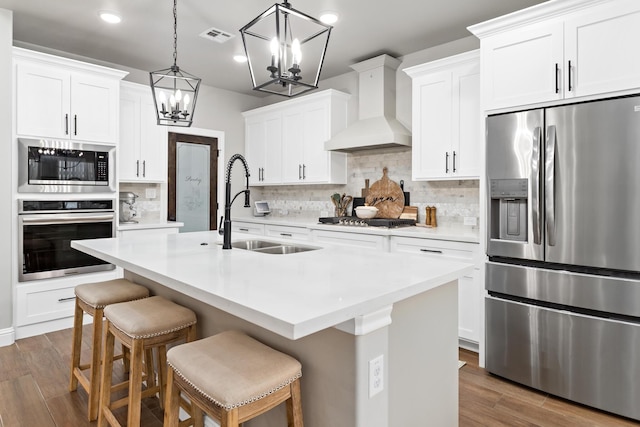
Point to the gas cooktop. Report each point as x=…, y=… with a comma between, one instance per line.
x=371, y=222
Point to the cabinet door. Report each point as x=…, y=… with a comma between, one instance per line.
x=94, y=108
x=42, y=101
x=153, y=142
x=601, y=45
x=523, y=66
x=467, y=134
x=129, y=148
x=431, y=125
x=272, y=172
x=315, y=162
x=255, y=148
x=292, y=145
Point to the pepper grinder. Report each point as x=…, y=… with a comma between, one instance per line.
x=434, y=222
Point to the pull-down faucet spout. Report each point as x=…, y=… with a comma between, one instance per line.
x=228, y=201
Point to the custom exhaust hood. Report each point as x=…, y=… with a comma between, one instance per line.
x=377, y=126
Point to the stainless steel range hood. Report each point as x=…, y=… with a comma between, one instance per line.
x=377, y=126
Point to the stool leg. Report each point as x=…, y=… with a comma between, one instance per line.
x=229, y=418
x=294, y=406
x=149, y=368
x=76, y=346
x=107, y=370
x=172, y=403
x=135, y=383
x=94, y=374
x=162, y=372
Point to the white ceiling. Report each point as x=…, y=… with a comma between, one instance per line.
x=144, y=38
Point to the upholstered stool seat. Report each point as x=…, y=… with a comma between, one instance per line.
x=92, y=298
x=233, y=378
x=141, y=325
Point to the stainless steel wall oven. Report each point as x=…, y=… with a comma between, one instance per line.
x=51, y=166
x=46, y=229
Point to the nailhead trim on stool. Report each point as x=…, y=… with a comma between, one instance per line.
x=91, y=298
x=233, y=378
x=141, y=325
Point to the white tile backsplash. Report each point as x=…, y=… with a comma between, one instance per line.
x=148, y=209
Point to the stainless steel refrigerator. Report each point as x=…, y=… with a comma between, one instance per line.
x=563, y=246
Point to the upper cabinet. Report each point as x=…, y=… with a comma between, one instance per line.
x=560, y=50
x=446, y=118
x=142, y=153
x=285, y=141
x=60, y=98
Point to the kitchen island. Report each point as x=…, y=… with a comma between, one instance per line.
x=336, y=309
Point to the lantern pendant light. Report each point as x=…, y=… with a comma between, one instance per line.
x=174, y=90
x=274, y=44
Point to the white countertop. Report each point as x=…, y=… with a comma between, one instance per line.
x=142, y=225
x=293, y=295
x=458, y=234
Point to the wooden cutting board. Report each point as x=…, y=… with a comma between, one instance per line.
x=387, y=196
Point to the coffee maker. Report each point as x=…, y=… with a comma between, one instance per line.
x=127, y=209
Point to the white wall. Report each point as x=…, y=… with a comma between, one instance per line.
x=7, y=217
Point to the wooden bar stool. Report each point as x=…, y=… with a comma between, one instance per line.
x=142, y=325
x=233, y=378
x=92, y=298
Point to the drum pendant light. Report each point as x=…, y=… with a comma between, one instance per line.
x=285, y=50
x=174, y=90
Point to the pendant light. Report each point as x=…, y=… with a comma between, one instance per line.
x=174, y=91
x=285, y=50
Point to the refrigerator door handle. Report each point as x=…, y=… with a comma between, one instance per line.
x=550, y=184
x=535, y=185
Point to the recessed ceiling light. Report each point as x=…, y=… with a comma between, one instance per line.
x=329, y=17
x=240, y=58
x=110, y=17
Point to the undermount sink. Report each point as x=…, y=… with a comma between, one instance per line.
x=267, y=247
x=252, y=245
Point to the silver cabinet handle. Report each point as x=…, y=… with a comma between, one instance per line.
x=75, y=124
x=299, y=171
x=304, y=171
x=570, y=85
x=66, y=124
x=244, y=229
x=446, y=162
x=550, y=185
x=454, y=162
x=144, y=168
x=432, y=251
x=137, y=167
x=66, y=299
x=557, y=73
x=286, y=234
x=535, y=185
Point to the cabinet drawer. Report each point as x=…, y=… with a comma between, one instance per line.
x=460, y=251
x=351, y=239
x=247, y=227
x=286, y=232
x=37, y=304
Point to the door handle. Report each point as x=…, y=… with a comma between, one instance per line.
x=557, y=71
x=570, y=86
x=535, y=185
x=454, y=162
x=550, y=184
x=299, y=171
x=446, y=162
x=304, y=171
x=144, y=168
x=138, y=168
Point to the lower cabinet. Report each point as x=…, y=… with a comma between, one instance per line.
x=247, y=228
x=352, y=239
x=469, y=287
x=286, y=232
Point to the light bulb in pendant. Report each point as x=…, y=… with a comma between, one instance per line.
x=274, y=51
x=296, y=52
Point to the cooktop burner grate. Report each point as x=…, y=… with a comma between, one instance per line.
x=372, y=222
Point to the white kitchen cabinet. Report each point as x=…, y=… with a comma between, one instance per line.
x=263, y=148
x=142, y=153
x=446, y=118
x=560, y=50
x=60, y=98
x=469, y=287
x=246, y=227
x=285, y=141
x=370, y=241
x=286, y=232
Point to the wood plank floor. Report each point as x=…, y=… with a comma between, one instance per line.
x=34, y=377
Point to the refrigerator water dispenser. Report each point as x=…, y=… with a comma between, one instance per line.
x=509, y=209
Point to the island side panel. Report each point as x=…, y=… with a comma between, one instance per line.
x=329, y=362
x=423, y=359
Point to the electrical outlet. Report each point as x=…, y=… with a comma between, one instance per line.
x=470, y=220
x=150, y=193
x=376, y=375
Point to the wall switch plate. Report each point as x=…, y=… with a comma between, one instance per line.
x=376, y=375
x=470, y=220
x=150, y=193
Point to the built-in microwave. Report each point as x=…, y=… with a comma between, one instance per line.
x=62, y=166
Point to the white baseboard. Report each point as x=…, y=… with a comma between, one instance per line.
x=7, y=337
x=468, y=345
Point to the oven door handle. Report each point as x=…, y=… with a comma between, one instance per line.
x=65, y=219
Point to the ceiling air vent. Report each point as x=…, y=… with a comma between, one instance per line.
x=216, y=35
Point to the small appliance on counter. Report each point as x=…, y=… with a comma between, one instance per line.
x=261, y=208
x=127, y=209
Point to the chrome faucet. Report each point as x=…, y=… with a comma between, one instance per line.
x=228, y=201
